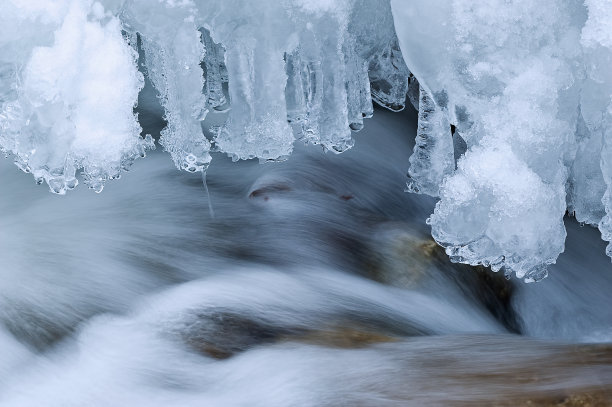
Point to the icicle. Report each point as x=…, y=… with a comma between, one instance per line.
x=211, y=212
x=173, y=59
x=433, y=157
x=358, y=98
x=215, y=73
x=389, y=78
x=295, y=94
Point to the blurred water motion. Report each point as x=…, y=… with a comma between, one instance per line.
x=315, y=284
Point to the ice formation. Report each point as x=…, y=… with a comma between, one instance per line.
x=514, y=99
x=525, y=87
x=69, y=82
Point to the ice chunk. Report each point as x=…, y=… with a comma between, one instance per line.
x=71, y=105
x=596, y=101
x=483, y=205
x=506, y=74
x=527, y=84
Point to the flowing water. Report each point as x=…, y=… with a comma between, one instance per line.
x=315, y=283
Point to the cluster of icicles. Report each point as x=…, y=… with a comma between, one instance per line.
x=71, y=72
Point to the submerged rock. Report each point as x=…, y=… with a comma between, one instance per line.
x=221, y=334
x=402, y=256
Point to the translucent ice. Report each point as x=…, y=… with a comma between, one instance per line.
x=283, y=70
x=596, y=103
x=511, y=78
x=69, y=84
x=514, y=99
x=433, y=157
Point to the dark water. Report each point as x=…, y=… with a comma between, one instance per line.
x=315, y=284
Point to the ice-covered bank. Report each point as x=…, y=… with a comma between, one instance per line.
x=514, y=99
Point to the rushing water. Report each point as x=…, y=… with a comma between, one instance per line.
x=314, y=284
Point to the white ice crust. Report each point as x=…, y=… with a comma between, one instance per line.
x=527, y=87
x=514, y=99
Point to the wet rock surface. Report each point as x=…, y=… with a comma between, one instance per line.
x=402, y=256
x=221, y=334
